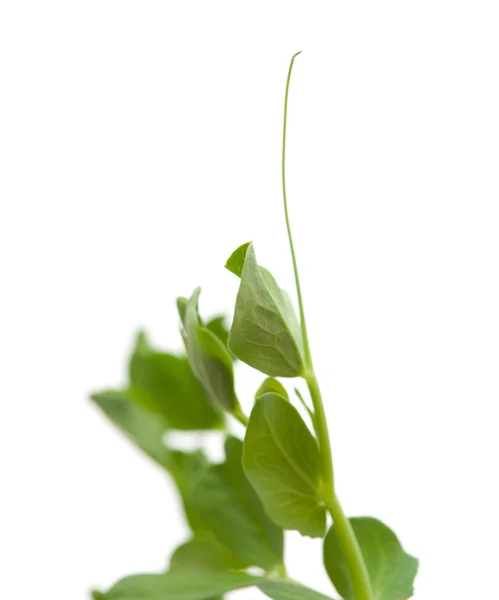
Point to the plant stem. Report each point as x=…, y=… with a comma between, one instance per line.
x=321, y=429
x=240, y=416
x=346, y=535
x=351, y=550
x=348, y=541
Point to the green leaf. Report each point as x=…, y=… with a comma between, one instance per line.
x=182, y=307
x=265, y=332
x=235, y=263
x=227, y=503
x=185, y=467
x=164, y=384
x=272, y=385
x=217, y=326
x=178, y=586
x=391, y=570
x=210, y=360
x=182, y=585
x=147, y=431
x=203, y=555
x=281, y=460
x=142, y=427
x=287, y=590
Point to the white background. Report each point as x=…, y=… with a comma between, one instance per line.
x=140, y=144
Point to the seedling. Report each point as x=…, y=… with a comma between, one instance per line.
x=280, y=477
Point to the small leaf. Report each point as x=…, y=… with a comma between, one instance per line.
x=391, y=570
x=281, y=460
x=210, y=360
x=265, y=333
x=287, y=590
x=272, y=385
x=182, y=307
x=178, y=586
x=235, y=262
x=165, y=384
x=203, y=555
x=142, y=427
x=229, y=506
x=217, y=326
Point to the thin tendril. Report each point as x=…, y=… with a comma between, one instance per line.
x=306, y=346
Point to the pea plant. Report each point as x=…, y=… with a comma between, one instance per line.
x=279, y=477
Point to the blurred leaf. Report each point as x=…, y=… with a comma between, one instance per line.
x=209, y=358
x=185, y=468
x=288, y=590
x=217, y=326
x=143, y=428
x=178, y=586
x=227, y=503
x=203, y=586
x=272, y=385
x=281, y=460
x=182, y=307
x=203, y=555
x=265, y=333
x=165, y=384
x=391, y=570
x=147, y=431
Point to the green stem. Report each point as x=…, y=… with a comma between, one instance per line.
x=346, y=535
x=351, y=551
x=348, y=541
x=321, y=429
x=240, y=416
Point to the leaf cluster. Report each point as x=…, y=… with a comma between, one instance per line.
x=278, y=478
x=272, y=481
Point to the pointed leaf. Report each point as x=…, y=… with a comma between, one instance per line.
x=142, y=427
x=182, y=307
x=230, y=507
x=265, y=332
x=235, y=263
x=210, y=360
x=272, y=385
x=288, y=590
x=165, y=384
x=147, y=431
x=391, y=570
x=178, y=586
x=281, y=460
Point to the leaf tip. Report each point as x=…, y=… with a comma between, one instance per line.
x=181, y=308
x=235, y=262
